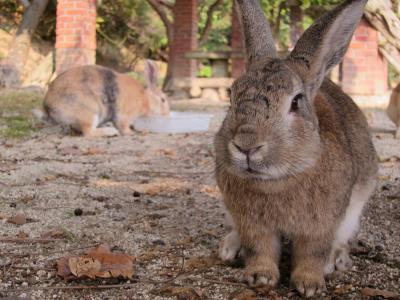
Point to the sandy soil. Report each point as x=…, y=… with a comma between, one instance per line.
x=154, y=196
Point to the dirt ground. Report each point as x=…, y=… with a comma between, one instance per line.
x=154, y=196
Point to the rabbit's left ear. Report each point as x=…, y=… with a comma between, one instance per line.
x=324, y=44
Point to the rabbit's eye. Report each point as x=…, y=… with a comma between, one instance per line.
x=263, y=98
x=295, y=102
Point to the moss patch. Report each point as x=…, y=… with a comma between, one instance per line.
x=16, y=118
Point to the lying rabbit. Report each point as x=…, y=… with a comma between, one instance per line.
x=89, y=96
x=294, y=156
x=393, y=110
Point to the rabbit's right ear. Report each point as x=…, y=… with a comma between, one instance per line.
x=324, y=44
x=150, y=73
x=257, y=33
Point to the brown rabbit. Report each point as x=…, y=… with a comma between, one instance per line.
x=393, y=110
x=89, y=96
x=294, y=156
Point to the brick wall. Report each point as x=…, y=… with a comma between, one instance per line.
x=237, y=44
x=185, y=38
x=75, y=33
x=364, y=71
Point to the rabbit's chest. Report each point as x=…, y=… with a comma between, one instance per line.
x=289, y=213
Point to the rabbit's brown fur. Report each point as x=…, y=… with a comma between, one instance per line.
x=89, y=96
x=294, y=155
x=393, y=110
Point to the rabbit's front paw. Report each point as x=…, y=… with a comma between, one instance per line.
x=230, y=246
x=339, y=260
x=309, y=284
x=258, y=276
x=342, y=259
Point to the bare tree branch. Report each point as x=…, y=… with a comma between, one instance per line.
x=160, y=10
x=166, y=3
x=25, y=3
x=208, y=26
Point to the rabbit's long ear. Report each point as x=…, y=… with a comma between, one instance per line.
x=324, y=44
x=150, y=73
x=257, y=33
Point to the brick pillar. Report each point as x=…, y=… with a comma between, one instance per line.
x=184, y=39
x=364, y=70
x=75, y=33
x=237, y=44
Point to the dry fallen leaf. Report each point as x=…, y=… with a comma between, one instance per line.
x=84, y=266
x=245, y=294
x=167, y=152
x=22, y=235
x=54, y=234
x=99, y=262
x=18, y=219
x=202, y=262
x=212, y=191
x=94, y=151
x=343, y=289
x=379, y=293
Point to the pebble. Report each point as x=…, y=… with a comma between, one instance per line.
x=24, y=284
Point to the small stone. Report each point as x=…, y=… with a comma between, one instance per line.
x=41, y=273
x=78, y=212
x=159, y=242
x=24, y=284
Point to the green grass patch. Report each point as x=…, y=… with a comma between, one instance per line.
x=16, y=118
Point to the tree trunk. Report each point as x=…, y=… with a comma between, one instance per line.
x=11, y=68
x=381, y=15
x=296, y=27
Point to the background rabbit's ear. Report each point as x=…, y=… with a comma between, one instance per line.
x=257, y=33
x=324, y=44
x=150, y=73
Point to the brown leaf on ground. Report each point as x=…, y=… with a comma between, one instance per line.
x=342, y=290
x=202, y=262
x=158, y=186
x=94, y=151
x=3, y=216
x=18, y=219
x=171, y=153
x=161, y=186
x=245, y=294
x=212, y=191
x=54, y=234
x=99, y=262
x=84, y=266
x=27, y=199
x=379, y=293
x=22, y=235
x=179, y=292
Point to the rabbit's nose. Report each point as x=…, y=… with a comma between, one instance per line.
x=247, y=151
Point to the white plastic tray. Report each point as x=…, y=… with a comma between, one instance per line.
x=176, y=122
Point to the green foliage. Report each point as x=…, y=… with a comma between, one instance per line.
x=205, y=71
x=219, y=37
x=134, y=25
x=16, y=119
